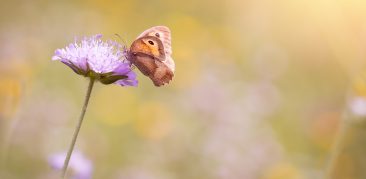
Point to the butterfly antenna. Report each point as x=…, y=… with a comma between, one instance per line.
x=123, y=40
x=124, y=45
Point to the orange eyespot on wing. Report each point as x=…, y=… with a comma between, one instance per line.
x=153, y=47
x=151, y=54
x=163, y=33
x=149, y=45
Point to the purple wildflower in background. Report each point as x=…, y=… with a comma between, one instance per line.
x=357, y=105
x=103, y=61
x=82, y=168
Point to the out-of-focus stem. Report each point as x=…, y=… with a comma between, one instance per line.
x=336, y=149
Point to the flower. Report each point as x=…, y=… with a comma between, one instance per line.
x=82, y=168
x=94, y=58
x=357, y=105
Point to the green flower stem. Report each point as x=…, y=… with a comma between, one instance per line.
x=77, y=129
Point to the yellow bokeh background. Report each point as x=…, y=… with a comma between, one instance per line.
x=262, y=89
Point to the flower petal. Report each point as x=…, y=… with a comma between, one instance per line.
x=92, y=57
x=73, y=67
x=129, y=81
x=122, y=69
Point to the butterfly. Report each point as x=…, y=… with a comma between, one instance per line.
x=151, y=53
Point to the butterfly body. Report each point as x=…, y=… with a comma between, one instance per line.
x=151, y=54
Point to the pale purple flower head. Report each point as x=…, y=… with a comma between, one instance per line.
x=104, y=61
x=81, y=167
x=357, y=105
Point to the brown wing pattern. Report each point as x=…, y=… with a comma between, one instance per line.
x=151, y=54
x=163, y=34
x=156, y=70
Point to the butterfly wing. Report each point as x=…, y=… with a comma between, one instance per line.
x=151, y=54
x=155, y=69
x=163, y=33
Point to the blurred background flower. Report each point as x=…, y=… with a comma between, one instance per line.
x=81, y=167
x=261, y=89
